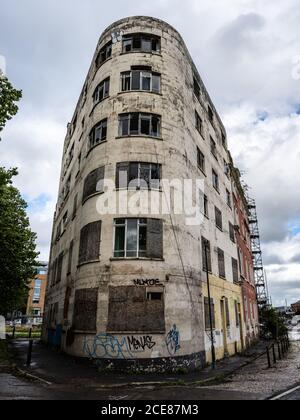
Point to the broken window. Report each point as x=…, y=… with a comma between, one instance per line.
x=101, y=91
x=215, y=178
x=138, y=175
x=104, y=54
x=206, y=255
x=140, y=80
x=207, y=313
x=139, y=124
x=221, y=263
x=200, y=160
x=85, y=310
x=138, y=238
x=98, y=133
x=219, y=221
x=141, y=43
x=89, y=248
x=94, y=183
x=136, y=309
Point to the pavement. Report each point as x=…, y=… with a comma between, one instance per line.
x=56, y=376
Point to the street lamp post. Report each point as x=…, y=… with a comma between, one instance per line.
x=213, y=351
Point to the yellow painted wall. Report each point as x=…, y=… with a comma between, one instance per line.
x=220, y=289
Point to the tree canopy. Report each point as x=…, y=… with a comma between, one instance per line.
x=17, y=245
x=8, y=98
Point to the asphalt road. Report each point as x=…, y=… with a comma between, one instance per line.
x=291, y=395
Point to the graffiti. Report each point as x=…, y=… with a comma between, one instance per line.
x=140, y=344
x=173, y=341
x=108, y=346
x=147, y=282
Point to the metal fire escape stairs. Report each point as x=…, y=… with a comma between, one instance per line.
x=259, y=273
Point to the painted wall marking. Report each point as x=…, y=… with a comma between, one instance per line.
x=173, y=341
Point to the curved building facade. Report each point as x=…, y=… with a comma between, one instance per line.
x=126, y=288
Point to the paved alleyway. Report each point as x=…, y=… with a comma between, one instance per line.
x=78, y=379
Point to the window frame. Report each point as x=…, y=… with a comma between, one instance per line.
x=138, y=226
x=140, y=116
x=129, y=76
x=103, y=124
x=141, y=38
x=105, y=86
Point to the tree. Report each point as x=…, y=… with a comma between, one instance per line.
x=8, y=98
x=17, y=245
x=273, y=324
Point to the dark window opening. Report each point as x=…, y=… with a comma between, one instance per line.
x=141, y=43
x=219, y=221
x=104, y=54
x=139, y=124
x=98, y=133
x=138, y=175
x=101, y=91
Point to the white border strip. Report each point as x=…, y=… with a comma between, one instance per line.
x=285, y=393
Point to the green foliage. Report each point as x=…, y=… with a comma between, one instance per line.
x=273, y=323
x=17, y=245
x=8, y=98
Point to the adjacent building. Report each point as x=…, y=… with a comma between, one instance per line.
x=36, y=295
x=245, y=258
x=131, y=290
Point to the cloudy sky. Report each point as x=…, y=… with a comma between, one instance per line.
x=248, y=54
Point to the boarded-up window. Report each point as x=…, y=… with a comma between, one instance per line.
x=89, y=248
x=206, y=255
x=154, y=238
x=131, y=310
x=221, y=263
x=59, y=267
x=93, y=183
x=206, y=312
x=235, y=270
x=85, y=310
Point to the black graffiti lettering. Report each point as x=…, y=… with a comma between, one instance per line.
x=140, y=344
x=146, y=282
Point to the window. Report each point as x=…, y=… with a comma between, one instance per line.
x=206, y=312
x=138, y=238
x=231, y=232
x=59, y=267
x=70, y=257
x=223, y=140
x=141, y=43
x=65, y=221
x=204, y=204
x=138, y=175
x=132, y=309
x=219, y=222
x=227, y=312
x=199, y=123
x=101, y=91
x=206, y=255
x=37, y=291
x=89, y=247
x=228, y=198
x=85, y=310
x=196, y=89
x=141, y=80
x=215, y=178
x=75, y=206
x=237, y=307
x=104, y=54
x=98, y=133
x=210, y=114
x=235, y=271
x=221, y=263
x=94, y=183
x=137, y=124
x=213, y=148
x=200, y=160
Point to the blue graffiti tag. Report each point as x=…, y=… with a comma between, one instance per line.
x=173, y=340
x=106, y=345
